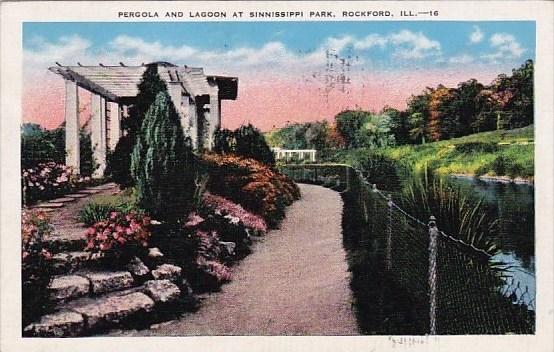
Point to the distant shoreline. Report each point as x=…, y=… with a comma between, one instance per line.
x=500, y=179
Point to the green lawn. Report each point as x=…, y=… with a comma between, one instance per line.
x=497, y=153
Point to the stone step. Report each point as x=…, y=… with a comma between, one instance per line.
x=107, y=281
x=63, y=200
x=76, y=195
x=66, y=287
x=58, y=243
x=88, y=282
x=88, y=314
x=48, y=205
x=69, y=262
x=89, y=191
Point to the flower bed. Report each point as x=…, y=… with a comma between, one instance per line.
x=257, y=187
x=122, y=234
x=36, y=266
x=50, y=180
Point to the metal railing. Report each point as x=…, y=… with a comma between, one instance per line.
x=454, y=287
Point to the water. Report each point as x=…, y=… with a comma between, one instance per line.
x=514, y=205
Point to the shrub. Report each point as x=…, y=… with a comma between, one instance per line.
x=499, y=165
x=458, y=212
x=118, y=167
x=382, y=171
x=39, y=145
x=246, y=141
x=253, y=185
x=49, y=180
x=36, y=266
x=122, y=235
x=476, y=147
x=235, y=213
x=101, y=206
x=162, y=164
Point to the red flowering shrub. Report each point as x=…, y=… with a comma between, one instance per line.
x=234, y=212
x=208, y=244
x=121, y=233
x=257, y=187
x=36, y=266
x=48, y=180
x=217, y=271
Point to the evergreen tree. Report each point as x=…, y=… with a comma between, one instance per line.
x=163, y=165
x=119, y=161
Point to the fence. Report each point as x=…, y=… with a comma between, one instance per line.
x=453, y=287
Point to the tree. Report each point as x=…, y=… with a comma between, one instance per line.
x=163, y=165
x=418, y=112
x=315, y=135
x=399, y=124
x=119, y=160
x=250, y=143
x=348, y=123
x=375, y=132
x=439, y=110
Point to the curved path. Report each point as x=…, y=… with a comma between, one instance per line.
x=294, y=283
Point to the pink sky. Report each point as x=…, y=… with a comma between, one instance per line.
x=273, y=101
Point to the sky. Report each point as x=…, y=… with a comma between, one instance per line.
x=288, y=71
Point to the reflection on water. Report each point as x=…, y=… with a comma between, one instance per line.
x=514, y=206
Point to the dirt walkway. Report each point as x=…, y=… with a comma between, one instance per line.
x=294, y=283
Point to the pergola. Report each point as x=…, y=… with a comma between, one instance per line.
x=196, y=96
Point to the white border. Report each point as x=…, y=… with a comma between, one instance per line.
x=12, y=16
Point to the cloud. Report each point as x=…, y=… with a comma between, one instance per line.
x=461, y=59
x=506, y=47
x=275, y=55
x=410, y=45
x=476, y=36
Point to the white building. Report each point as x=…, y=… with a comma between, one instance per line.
x=197, y=98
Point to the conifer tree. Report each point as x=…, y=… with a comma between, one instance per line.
x=163, y=165
x=119, y=161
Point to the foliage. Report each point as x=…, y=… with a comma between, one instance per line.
x=39, y=145
x=49, y=180
x=121, y=234
x=235, y=212
x=252, y=184
x=119, y=161
x=118, y=168
x=382, y=171
x=100, y=208
x=246, y=141
x=36, y=264
x=458, y=212
x=163, y=164
x=470, y=154
x=348, y=124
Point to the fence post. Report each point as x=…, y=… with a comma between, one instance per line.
x=433, y=235
x=389, y=232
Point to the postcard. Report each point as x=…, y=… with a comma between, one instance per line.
x=368, y=175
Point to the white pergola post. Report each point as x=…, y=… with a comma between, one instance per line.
x=72, y=156
x=214, y=120
x=115, y=124
x=98, y=133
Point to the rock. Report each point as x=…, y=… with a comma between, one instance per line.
x=137, y=267
x=162, y=291
x=76, y=195
x=106, y=281
x=109, y=310
x=60, y=324
x=63, y=200
x=167, y=271
x=154, y=252
x=229, y=247
x=48, y=205
x=68, y=286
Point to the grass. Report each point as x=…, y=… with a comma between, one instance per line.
x=497, y=153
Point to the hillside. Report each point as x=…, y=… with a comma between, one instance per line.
x=497, y=153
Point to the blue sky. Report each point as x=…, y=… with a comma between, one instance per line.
x=385, y=45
